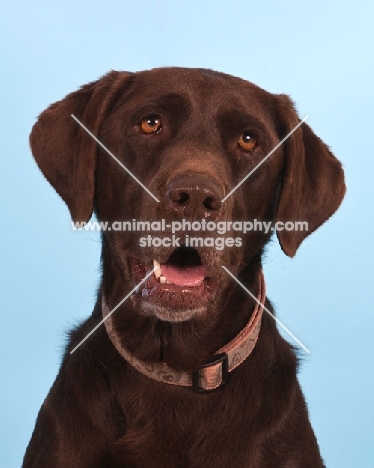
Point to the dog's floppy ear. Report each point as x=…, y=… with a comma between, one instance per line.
x=65, y=153
x=313, y=179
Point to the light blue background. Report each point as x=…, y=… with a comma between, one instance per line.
x=321, y=53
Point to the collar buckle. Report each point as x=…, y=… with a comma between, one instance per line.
x=222, y=359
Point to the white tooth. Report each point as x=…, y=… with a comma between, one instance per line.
x=157, y=272
x=168, y=282
x=163, y=280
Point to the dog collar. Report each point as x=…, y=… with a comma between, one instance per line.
x=214, y=373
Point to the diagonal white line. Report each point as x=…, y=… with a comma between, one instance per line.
x=115, y=308
x=265, y=158
x=267, y=310
x=116, y=159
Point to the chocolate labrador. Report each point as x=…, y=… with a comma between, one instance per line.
x=187, y=368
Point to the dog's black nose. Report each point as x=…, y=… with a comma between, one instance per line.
x=195, y=196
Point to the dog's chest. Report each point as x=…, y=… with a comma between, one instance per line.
x=184, y=431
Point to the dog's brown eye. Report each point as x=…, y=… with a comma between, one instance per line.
x=150, y=124
x=247, y=142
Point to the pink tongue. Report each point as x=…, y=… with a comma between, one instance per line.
x=190, y=276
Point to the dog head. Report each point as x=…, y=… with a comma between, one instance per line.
x=189, y=136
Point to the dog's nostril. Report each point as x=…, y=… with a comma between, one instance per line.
x=180, y=197
x=211, y=203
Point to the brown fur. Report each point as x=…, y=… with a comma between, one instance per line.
x=100, y=411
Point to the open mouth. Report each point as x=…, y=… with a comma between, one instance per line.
x=179, y=285
x=184, y=268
